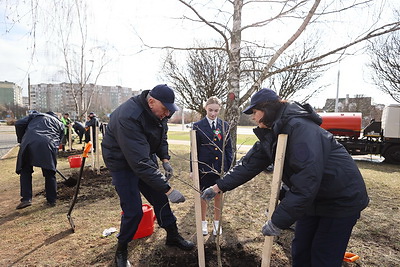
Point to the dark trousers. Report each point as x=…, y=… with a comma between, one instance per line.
x=65, y=139
x=87, y=138
x=80, y=133
x=321, y=241
x=26, y=184
x=129, y=187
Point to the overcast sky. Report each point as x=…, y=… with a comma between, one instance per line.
x=117, y=24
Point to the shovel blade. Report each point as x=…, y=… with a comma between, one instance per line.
x=70, y=182
x=71, y=222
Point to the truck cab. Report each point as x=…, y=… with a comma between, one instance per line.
x=391, y=133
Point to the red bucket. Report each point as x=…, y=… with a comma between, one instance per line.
x=146, y=225
x=75, y=161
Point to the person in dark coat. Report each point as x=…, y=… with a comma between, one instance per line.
x=102, y=128
x=214, y=151
x=39, y=135
x=79, y=128
x=135, y=137
x=66, y=120
x=90, y=125
x=326, y=191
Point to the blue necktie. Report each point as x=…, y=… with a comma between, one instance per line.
x=213, y=126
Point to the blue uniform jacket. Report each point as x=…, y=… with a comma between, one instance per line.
x=322, y=177
x=211, y=145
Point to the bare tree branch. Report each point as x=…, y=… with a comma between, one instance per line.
x=265, y=73
x=385, y=63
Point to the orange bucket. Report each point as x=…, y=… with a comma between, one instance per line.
x=146, y=225
x=75, y=161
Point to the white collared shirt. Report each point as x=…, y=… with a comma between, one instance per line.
x=211, y=121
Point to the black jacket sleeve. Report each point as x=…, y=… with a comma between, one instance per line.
x=136, y=150
x=21, y=125
x=255, y=161
x=162, y=152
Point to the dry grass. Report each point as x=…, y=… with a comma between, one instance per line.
x=40, y=236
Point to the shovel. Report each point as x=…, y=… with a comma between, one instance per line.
x=70, y=182
x=74, y=198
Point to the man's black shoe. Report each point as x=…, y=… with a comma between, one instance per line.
x=24, y=204
x=121, y=256
x=179, y=242
x=176, y=240
x=50, y=204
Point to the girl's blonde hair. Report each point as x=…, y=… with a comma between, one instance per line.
x=213, y=100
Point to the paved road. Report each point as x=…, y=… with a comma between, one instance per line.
x=8, y=139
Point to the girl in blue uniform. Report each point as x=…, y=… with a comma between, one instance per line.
x=214, y=150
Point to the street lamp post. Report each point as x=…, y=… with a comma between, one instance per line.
x=337, y=90
x=183, y=119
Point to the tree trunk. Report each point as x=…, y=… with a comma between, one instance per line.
x=232, y=103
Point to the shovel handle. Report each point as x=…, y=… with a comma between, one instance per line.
x=87, y=149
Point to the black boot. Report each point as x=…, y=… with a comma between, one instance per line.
x=121, y=256
x=175, y=239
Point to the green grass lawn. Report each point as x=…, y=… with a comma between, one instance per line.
x=242, y=139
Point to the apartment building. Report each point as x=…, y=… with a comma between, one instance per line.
x=60, y=97
x=10, y=94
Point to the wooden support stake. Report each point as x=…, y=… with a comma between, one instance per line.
x=197, y=199
x=70, y=136
x=91, y=131
x=97, y=153
x=275, y=188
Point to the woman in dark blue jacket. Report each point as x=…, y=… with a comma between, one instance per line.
x=214, y=150
x=326, y=190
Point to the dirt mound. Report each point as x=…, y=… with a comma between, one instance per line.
x=94, y=186
x=231, y=256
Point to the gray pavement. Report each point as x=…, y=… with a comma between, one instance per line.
x=8, y=139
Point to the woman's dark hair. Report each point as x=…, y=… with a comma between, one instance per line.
x=270, y=109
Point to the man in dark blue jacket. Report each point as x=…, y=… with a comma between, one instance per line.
x=79, y=128
x=90, y=126
x=326, y=190
x=40, y=135
x=135, y=136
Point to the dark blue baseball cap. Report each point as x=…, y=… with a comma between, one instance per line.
x=264, y=95
x=165, y=95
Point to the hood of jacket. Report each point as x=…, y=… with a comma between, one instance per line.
x=293, y=110
x=289, y=111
